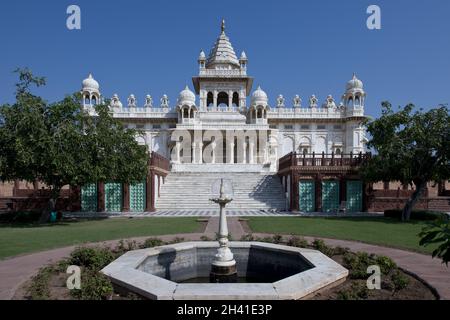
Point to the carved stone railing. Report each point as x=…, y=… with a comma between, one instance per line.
x=159, y=162
x=321, y=160
x=222, y=73
x=313, y=113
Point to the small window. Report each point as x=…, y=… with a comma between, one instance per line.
x=140, y=126
x=321, y=127
x=273, y=126
x=337, y=126
x=304, y=127
x=171, y=126
x=156, y=126
x=288, y=127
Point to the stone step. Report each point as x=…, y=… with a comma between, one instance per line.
x=193, y=190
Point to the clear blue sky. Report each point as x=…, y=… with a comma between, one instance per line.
x=304, y=47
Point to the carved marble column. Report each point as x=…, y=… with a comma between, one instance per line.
x=244, y=152
x=231, y=153
x=251, y=152
x=200, y=152
x=194, y=158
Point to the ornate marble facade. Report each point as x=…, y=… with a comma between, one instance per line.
x=218, y=107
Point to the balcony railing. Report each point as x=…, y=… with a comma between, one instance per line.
x=158, y=161
x=322, y=160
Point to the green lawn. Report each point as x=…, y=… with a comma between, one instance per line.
x=19, y=239
x=382, y=231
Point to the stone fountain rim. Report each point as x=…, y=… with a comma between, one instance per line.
x=325, y=273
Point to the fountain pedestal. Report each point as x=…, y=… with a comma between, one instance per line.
x=223, y=267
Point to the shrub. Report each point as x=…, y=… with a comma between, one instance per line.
x=177, y=240
x=320, y=245
x=20, y=217
x=358, y=291
x=152, y=242
x=248, y=237
x=277, y=238
x=386, y=264
x=399, y=280
x=421, y=215
x=340, y=251
x=205, y=238
x=39, y=287
x=94, y=286
x=299, y=242
x=94, y=258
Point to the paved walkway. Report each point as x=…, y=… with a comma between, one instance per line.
x=15, y=271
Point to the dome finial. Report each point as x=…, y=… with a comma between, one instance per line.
x=223, y=25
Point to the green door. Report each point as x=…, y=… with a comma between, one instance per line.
x=354, y=196
x=330, y=196
x=306, y=192
x=113, y=197
x=137, y=197
x=89, y=198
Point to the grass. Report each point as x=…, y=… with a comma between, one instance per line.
x=383, y=231
x=27, y=238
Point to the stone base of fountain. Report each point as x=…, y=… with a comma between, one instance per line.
x=223, y=274
x=264, y=270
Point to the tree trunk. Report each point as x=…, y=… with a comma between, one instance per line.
x=406, y=213
x=51, y=205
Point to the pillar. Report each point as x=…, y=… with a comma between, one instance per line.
x=149, y=201
x=194, y=157
x=244, y=152
x=100, y=197
x=231, y=153
x=318, y=193
x=126, y=197
x=215, y=99
x=177, y=150
x=213, y=160
x=250, y=152
x=200, y=152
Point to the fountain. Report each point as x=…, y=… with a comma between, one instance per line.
x=223, y=270
x=223, y=267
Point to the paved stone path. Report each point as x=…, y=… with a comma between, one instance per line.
x=215, y=213
x=15, y=271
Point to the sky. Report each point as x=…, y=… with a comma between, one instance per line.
x=293, y=47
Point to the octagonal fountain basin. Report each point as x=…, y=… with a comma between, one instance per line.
x=266, y=272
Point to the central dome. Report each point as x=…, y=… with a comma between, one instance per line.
x=355, y=83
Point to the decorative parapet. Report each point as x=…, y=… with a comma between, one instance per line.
x=222, y=73
x=314, y=113
x=145, y=113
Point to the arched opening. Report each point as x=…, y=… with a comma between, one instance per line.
x=86, y=99
x=222, y=99
x=259, y=114
x=209, y=99
x=94, y=100
x=185, y=112
x=235, y=99
x=357, y=101
x=338, y=151
x=350, y=102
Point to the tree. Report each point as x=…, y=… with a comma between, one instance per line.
x=438, y=233
x=61, y=144
x=412, y=147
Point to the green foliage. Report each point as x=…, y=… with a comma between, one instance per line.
x=357, y=264
x=299, y=242
x=152, y=242
x=420, y=215
x=248, y=237
x=93, y=258
x=61, y=144
x=320, y=245
x=438, y=232
x=411, y=147
x=94, y=286
x=358, y=291
x=19, y=217
x=399, y=280
x=205, y=238
x=39, y=288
